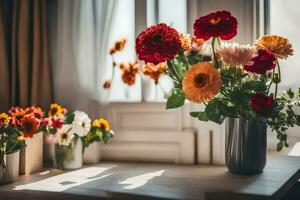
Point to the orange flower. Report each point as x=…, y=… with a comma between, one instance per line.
x=201, y=82
x=30, y=125
x=279, y=46
x=129, y=72
x=17, y=113
x=36, y=111
x=155, y=71
x=185, y=41
x=118, y=46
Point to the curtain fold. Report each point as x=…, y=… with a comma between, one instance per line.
x=24, y=67
x=80, y=32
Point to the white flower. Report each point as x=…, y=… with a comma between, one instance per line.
x=64, y=135
x=81, y=123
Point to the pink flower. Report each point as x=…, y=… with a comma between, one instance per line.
x=234, y=54
x=57, y=123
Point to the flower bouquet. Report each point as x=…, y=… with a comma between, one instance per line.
x=11, y=141
x=236, y=83
x=71, y=133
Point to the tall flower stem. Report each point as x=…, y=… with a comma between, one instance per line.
x=213, y=42
x=279, y=78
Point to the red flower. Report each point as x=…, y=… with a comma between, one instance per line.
x=58, y=123
x=262, y=104
x=30, y=125
x=157, y=44
x=45, y=122
x=219, y=24
x=263, y=62
x=106, y=84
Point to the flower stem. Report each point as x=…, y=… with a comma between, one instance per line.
x=279, y=77
x=214, y=52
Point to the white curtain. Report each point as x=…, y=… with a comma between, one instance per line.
x=80, y=32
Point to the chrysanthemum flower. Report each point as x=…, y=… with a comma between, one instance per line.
x=234, y=54
x=101, y=123
x=55, y=110
x=201, y=82
x=263, y=62
x=279, y=46
x=219, y=24
x=30, y=125
x=64, y=136
x=158, y=44
x=154, y=71
x=4, y=119
x=185, y=41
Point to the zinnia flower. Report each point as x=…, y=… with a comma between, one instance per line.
x=157, y=44
x=201, y=82
x=129, y=72
x=219, y=24
x=64, y=135
x=279, y=46
x=55, y=110
x=4, y=119
x=81, y=123
x=234, y=54
x=262, y=104
x=101, y=123
x=185, y=41
x=155, y=71
x=263, y=62
x=36, y=111
x=30, y=125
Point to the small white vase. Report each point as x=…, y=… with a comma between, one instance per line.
x=92, y=154
x=12, y=168
x=73, y=159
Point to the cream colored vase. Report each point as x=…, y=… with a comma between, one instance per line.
x=92, y=154
x=31, y=156
x=12, y=168
x=71, y=157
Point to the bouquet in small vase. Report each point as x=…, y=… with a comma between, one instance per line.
x=236, y=83
x=11, y=141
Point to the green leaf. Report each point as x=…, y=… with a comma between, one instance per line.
x=280, y=145
x=202, y=116
x=255, y=85
x=70, y=118
x=176, y=99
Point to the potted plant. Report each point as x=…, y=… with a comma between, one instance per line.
x=235, y=83
x=100, y=131
x=11, y=141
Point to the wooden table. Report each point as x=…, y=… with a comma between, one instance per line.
x=156, y=181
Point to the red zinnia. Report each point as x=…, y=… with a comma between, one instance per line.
x=157, y=44
x=263, y=62
x=57, y=123
x=219, y=24
x=30, y=125
x=262, y=104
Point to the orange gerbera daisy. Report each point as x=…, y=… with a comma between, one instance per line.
x=155, y=71
x=279, y=46
x=129, y=72
x=201, y=82
x=30, y=125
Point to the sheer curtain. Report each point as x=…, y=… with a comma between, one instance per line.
x=80, y=32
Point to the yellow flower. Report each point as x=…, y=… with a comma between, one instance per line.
x=55, y=110
x=185, y=41
x=279, y=46
x=101, y=123
x=4, y=119
x=201, y=82
x=20, y=138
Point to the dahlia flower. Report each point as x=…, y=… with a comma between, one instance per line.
x=234, y=54
x=263, y=62
x=158, y=44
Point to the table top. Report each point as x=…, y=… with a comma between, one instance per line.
x=116, y=180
